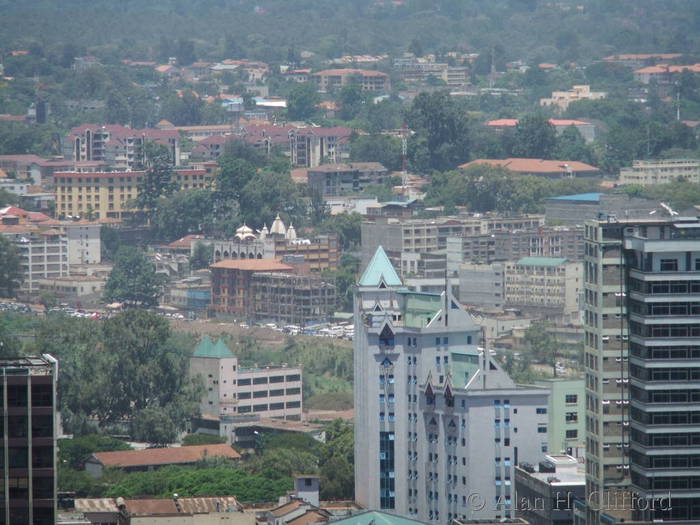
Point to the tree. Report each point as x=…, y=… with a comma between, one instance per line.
x=7, y=198
x=157, y=181
x=534, y=137
x=572, y=146
x=347, y=226
x=133, y=280
x=234, y=173
x=301, y=101
x=542, y=344
x=74, y=451
x=185, y=212
x=267, y=194
x=377, y=148
x=109, y=241
x=202, y=256
x=202, y=439
x=337, y=459
x=10, y=270
x=352, y=100
x=442, y=133
x=185, y=52
x=153, y=425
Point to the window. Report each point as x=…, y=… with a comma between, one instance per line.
x=571, y=417
x=541, y=410
x=571, y=434
x=260, y=380
x=294, y=377
x=243, y=382
x=542, y=429
x=571, y=399
x=544, y=447
x=669, y=265
x=244, y=395
x=262, y=393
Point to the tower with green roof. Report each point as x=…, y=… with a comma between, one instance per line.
x=438, y=418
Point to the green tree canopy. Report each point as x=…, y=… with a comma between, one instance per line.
x=10, y=269
x=133, y=280
x=377, y=148
x=301, y=101
x=534, y=138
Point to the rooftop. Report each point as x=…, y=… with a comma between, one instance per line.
x=380, y=270
x=581, y=197
x=253, y=265
x=207, y=348
x=375, y=517
x=164, y=456
x=535, y=165
x=541, y=261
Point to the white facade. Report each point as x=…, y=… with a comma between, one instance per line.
x=440, y=421
x=649, y=172
x=84, y=244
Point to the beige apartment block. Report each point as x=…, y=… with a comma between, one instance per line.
x=650, y=172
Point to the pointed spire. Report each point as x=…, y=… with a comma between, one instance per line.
x=291, y=233
x=380, y=272
x=278, y=227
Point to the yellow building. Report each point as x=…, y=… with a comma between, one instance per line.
x=107, y=194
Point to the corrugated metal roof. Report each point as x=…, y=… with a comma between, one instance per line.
x=541, y=261
x=587, y=197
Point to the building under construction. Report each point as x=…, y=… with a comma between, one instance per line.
x=287, y=298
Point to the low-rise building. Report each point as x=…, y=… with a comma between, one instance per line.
x=650, y=172
x=312, y=146
x=121, y=147
x=151, y=458
x=482, y=285
x=244, y=289
x=579, y=208
x=72, y=287
x=560, y=100
x=397, y=235
x=232, y=391
x=545, y=284
x=545, y=241
x=369, y=80
x=222, y=510
x=638, y=60
x=556, y=169
x=664, y=73
x=331, y=180
x=320, y=253
x=567, y=416
x=586, y=129
x=110, y=194
x=43, y=252
x=546, y=493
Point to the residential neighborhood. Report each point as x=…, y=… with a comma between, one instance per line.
x=363, y=263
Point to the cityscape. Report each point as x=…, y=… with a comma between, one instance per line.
x=357, y=263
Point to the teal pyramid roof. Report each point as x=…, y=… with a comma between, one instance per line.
x=380, y=269
x=207, y=348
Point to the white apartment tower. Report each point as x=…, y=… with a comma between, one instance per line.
x=439, y=426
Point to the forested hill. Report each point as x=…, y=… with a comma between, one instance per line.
x=551, y=30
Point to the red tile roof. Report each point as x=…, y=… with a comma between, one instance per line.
x=253, y=265
x=206, y=505
x=350, y=71
x=535, y=165
x=164, y=456
x=512, y=122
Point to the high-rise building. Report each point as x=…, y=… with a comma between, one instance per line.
x=28, y=447
x=642, y=346
x=442, y=424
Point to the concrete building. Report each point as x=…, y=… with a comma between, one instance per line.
x=28, y=469
x=14, y=186
x=331, y=180
x=577, y=209
x=312, y=146
x=640, y=355
x=482, y=285
x=232, y=390
x=548, y=285
x=586, y=129
x=546, y=492
x=650, y=172
x=120, y=147
x=321, y=253
x=639, y=60
x=567, y=421
x=72, y=288
x=269, y=290
x=220, y=510
x=560, y=100
x=430, y=235
x=545, y=241
x=84, y=242
x=43, y=252
x=108, y=194
x=153, y=458
x=439, y=418
x=369, y=80
x=555, y=169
